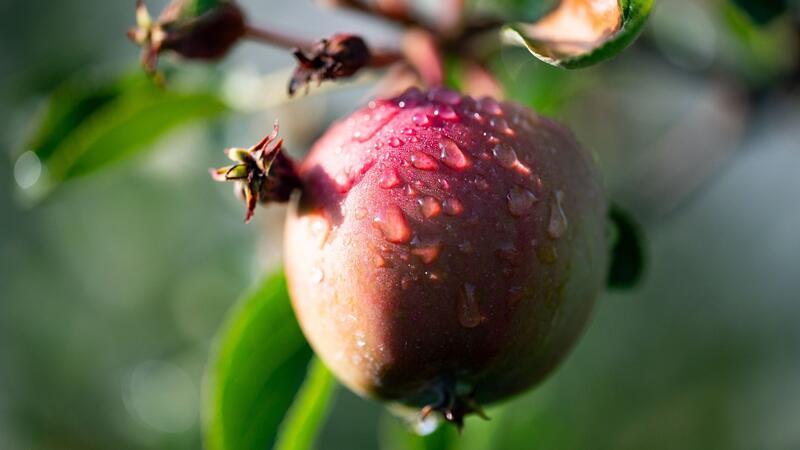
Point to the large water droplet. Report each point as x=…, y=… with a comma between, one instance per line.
x=451, y=154
x=453, y=207
x=444, y=95
x=520, y=201
x=500, y=124
x=505, y=155
x=469, y=313
x=379, y=260
x=446, y=112
x=320, y=229
x=393, y=224
x=423, y=161
x=421, y=119
x=395, y=142
x=370, y=123
x=557, y=225
x=390, y=179
x=343, y=182
x=490, y=106
x=428, y=253
x=27, y=170
x=317, y=275
x=430, y=207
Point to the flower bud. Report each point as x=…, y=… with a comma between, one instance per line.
x=194, y=29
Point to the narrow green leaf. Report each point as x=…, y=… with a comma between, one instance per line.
x=258, y=366
x=92, y=124
x=627, y=252
x=309, y=410
x=571, y=37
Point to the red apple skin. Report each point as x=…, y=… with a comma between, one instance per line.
x=488, y=291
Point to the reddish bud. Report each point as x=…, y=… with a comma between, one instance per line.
x=329, y=59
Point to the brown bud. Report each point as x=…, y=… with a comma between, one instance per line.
x=208, y=35
x=329, y=59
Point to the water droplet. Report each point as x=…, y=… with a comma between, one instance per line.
x=446, y=112
x=557, y=225
x=520, y=201
x=478, y=117
x=423, y=161
x=393, y=224
x=490, y=106
x=430, y=207
x=427, y=254
x=379, y=261
x=414, y=139
x=320, y=229
x=547, y=254
x=505, y=155
x=367, y=124
x=446, y=96
x=515, y=295
x=395, y=142
x=500, y=124
x=390, y=179
x=317, y=275
x=343, y=182
x=444, y=184
x=421, y=119
x=509, y=253
x=453, y=207
x=433, y=276
x=469, y=313
x=407, y=281
x=408, y=131
x=451, y=154
x=481, y=183
x=360, y=213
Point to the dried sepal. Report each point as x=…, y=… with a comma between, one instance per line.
x=262, y=173
x=341, y=56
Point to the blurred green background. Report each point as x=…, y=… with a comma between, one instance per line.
x=112, y=287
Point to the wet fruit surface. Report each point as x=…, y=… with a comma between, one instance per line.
x=464, y=244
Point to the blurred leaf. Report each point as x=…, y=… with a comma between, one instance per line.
x=259, y=364
x=91, y=124
x=627, y=253
x=762, y=11
x=513, y=10
x=303, y=421
x=579, y=33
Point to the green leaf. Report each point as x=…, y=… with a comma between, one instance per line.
x=512, y=10
x=309, y=410
x=91, y=124
x=762, y=11
x=580, y=33
x=258, y=366
x=627, y=252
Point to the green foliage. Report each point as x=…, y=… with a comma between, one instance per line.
x=634, y=16
x=258, y=367
x=91, y=124
x=514, y=10
x=310, y=408
x=762, y=11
